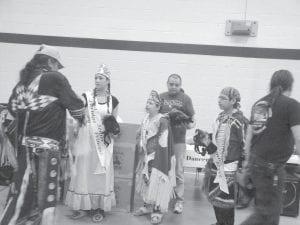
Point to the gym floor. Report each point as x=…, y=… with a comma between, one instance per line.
x=196, y=211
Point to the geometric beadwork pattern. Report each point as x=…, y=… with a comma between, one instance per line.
x=40, y=143
x=28, y=98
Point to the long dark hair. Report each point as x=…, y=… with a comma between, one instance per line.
x=37, y=64
x=282, y=80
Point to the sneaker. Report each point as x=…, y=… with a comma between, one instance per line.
x=77, y=214
x=178, y=208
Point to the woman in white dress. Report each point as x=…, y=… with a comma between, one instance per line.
x=91, y=189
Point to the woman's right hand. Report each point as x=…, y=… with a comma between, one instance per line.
x=83, y=122
x=76, y=132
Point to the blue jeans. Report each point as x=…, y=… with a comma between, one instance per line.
x=268, y=183
x=179, y=151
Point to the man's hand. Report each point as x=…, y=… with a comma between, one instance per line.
x=178, y=117
x=243, y=177
x=258, y=130
x=296, y=134
x=191, y=124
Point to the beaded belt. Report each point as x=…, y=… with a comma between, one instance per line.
x=36, y=142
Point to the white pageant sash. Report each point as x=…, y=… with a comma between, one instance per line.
x=104, y=153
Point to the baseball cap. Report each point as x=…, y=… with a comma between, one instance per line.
x=50, y=51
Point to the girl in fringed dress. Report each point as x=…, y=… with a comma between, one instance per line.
x=156, y=167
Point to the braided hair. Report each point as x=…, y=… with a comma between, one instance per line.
x=108, y=96
x=94, y=97
x=282, y=80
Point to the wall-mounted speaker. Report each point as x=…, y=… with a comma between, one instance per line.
x=241, y=27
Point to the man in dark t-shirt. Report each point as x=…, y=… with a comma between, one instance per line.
x=276, y=144
x=176, y=99
x=274, y=130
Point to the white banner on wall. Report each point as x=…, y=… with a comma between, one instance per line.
x=193, y=159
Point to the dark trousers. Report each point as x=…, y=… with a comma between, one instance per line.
x=268, y=183
x=224, y=216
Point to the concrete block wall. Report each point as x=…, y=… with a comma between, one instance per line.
x=180, y=21
x=134, y=73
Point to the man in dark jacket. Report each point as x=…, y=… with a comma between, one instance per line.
x=39, y=102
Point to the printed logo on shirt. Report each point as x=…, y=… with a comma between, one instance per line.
x=173, y=102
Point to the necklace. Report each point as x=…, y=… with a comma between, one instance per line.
x=101, y=96
x=101, y=99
